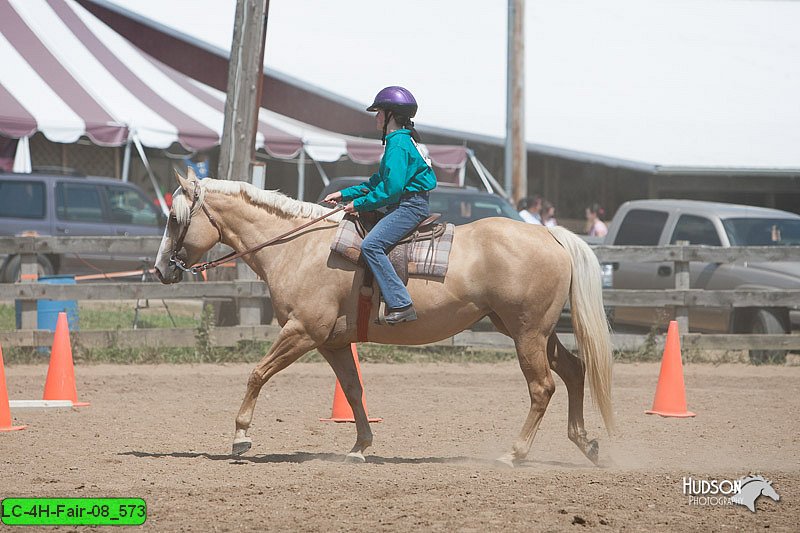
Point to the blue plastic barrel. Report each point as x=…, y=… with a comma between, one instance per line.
x=47, y=310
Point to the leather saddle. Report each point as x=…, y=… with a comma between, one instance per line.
x=427, y=230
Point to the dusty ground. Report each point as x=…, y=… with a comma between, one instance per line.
x=163, y=433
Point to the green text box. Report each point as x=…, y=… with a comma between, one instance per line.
x=73, y=511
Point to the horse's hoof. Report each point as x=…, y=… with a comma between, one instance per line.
x=593, y=451
x=506, y=461
x=241, y=446
x=355, y=457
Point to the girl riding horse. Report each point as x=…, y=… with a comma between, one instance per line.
x=401, y=183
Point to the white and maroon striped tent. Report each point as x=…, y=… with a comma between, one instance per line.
x=66, y=74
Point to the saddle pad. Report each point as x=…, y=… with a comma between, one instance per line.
x=426, y=258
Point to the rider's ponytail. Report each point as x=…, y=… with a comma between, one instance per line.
x=403, y=122
x=407, y=123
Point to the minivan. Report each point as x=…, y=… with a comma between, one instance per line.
x=51, y=204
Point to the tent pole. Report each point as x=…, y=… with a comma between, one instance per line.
x=498, y=189
x=126, y=160
x=301, y=175
x=322, y=174
x=479, y=170
x=161, y=201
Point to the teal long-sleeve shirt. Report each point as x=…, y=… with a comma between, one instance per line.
x=402, y=170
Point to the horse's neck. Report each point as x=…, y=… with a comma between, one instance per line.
x=244, y=226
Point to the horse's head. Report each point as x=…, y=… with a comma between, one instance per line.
x=190, y=231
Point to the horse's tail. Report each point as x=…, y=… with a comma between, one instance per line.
x=589, y=319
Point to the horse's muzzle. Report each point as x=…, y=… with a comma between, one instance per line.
x=173, y=276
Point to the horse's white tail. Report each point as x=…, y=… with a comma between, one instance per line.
x=589, y=319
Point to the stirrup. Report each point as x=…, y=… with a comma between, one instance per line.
x=399, y=316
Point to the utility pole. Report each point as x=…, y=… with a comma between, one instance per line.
x=245, y=74
x=516, y=167
x=237, y=150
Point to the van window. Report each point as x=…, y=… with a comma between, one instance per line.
x=22, y=199
x=130, y=207
x=696, y=230
x=641, y=227
x=79, y=202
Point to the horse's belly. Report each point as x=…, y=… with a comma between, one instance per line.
x=432, y=325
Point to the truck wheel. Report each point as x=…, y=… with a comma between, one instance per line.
x=767, y=322
x=11, y=272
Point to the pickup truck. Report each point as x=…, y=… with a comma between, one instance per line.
x=663, y=222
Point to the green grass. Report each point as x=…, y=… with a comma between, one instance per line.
x=7, y=318
x=380, y=353
x=114, y=316
x=97, y=319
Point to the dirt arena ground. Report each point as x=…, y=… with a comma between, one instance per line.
x=163, y=433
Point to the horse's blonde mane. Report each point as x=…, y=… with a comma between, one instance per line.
x=275, y=200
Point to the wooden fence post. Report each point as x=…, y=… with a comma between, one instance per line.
x=249, y=307
x=682, y=283
x=28, y=273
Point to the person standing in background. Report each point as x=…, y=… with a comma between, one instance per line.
x=530, y=209
x=595, y=227
x=549, y=214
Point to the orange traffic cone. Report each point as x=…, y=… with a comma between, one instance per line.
x=60, y=382
x=670, y=397
x=342, y=412
x=5, y=410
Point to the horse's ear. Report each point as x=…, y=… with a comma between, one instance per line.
x=190, y=173
x=182, y=182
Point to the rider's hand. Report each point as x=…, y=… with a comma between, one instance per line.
x=350, y=208
x=333, y=198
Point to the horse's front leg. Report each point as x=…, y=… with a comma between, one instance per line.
x=291, y=344
x=344, y=366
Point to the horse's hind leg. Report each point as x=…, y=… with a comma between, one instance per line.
x=571, y=370
x=292, y=342
x=344, y=366
x=531, y=352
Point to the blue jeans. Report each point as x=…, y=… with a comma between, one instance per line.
x=398, y=223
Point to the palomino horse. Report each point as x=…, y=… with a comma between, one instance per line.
x=519, y=275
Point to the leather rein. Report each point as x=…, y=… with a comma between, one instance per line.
x=178, y=262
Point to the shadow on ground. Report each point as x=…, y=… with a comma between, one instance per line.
x=304, y=457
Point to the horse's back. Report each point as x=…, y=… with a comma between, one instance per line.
x=510, y=241
x=504, y=253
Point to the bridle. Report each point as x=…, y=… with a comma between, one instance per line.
x=179, y=263
x=173, y=258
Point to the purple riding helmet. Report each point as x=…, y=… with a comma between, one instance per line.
x=396, y=99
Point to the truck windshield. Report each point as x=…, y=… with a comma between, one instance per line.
x=762, y=231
